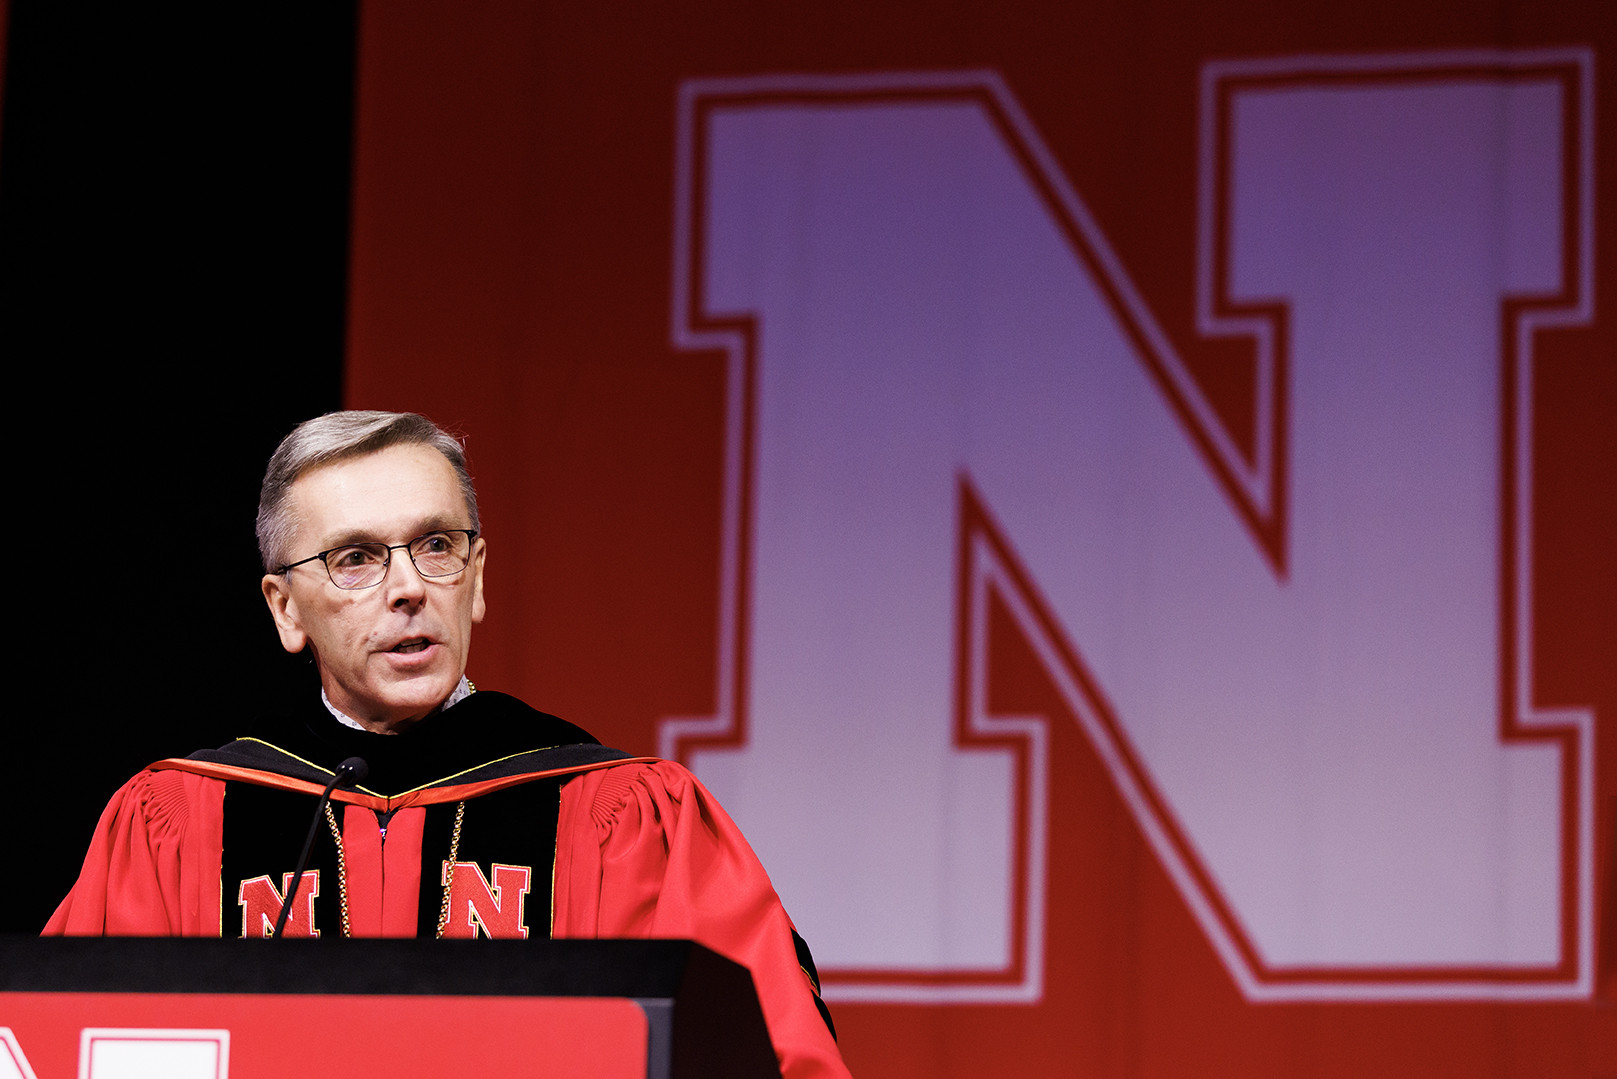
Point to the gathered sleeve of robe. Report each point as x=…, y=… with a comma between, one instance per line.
x=644, y=850
x=153, y=866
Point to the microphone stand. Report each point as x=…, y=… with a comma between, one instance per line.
x=348, y=773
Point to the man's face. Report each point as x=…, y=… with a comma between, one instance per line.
x=391, y=653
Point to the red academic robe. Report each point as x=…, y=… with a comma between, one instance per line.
x=642, y=850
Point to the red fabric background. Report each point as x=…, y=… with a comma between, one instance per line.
x=510, y=278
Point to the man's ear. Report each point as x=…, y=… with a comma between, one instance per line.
x=479, y=551
x=278, y=594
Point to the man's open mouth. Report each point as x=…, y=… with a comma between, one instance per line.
x=414, y=645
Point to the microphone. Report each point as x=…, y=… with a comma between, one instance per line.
x=349, y=773
x=355, y=769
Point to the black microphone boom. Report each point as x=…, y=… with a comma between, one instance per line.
x=349, y=773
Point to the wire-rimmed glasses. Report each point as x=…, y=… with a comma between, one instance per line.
x=443, y=553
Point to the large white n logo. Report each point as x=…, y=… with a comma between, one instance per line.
x=1302, y=657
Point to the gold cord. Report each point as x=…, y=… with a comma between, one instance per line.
x=449, y=874
x=342, y=868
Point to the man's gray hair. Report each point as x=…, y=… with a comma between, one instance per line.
x=334, y=437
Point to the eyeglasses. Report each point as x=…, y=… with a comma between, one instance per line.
x=364, y=565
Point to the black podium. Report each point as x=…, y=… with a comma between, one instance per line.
x=603, y=1009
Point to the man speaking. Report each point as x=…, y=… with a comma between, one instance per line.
x=479, y=816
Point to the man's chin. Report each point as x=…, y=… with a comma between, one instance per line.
x=418, y=701
x=402, y=702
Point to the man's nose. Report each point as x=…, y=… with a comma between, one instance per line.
x=404, y=583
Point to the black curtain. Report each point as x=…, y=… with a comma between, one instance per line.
x=174, y=199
